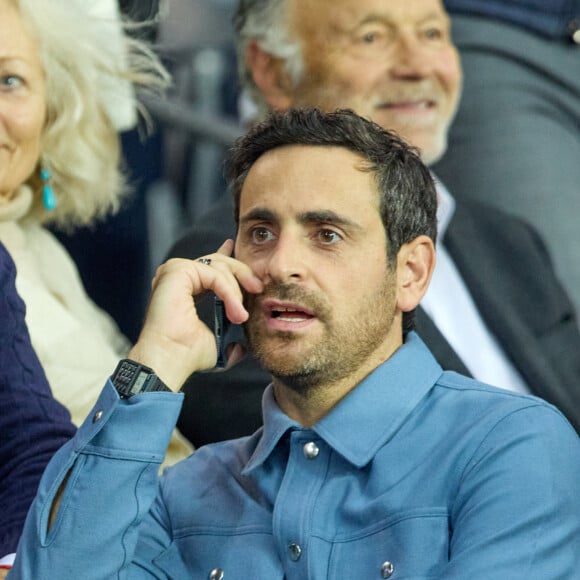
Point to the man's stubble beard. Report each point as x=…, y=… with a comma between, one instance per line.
x=337, y=352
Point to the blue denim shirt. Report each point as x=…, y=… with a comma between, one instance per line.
x=416, y=474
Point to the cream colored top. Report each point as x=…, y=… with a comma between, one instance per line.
x=78, y=344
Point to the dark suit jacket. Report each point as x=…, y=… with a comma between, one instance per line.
x=505, y=266
x=32, y=424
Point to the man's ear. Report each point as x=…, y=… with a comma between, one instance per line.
x=270, y=76
x=415, y=265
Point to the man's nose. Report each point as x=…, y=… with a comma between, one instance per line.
x=411, y=59
x=286, y=261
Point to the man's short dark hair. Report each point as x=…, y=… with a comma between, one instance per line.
x=408, y=201
x=407, y=195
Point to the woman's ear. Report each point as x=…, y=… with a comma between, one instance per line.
x=415, y=265
x=270, y=76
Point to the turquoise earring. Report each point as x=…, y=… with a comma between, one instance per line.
x=48, y=197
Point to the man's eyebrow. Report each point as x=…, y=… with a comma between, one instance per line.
x=328, y=217
x=258, y=214
x=372, y=18
x=308, y=217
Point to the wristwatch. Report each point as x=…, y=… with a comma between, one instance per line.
x=131, y=378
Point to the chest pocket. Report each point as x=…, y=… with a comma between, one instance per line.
x=411, y=546
x=242, y=556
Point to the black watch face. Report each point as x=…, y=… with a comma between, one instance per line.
x=139, y=382
x=131, y=378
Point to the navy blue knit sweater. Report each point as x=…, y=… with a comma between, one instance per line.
x=33, y=425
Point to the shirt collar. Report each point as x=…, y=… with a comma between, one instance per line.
x=276, y=424
x=445, y=207
x=369, y=415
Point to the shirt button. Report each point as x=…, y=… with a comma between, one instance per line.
x=311, y=450
x=97, y=416
x=387, y=569
x=216, y=574
x=295, y=552
x=574, y=28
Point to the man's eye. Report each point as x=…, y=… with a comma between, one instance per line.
x=433, y=34
x=329, y=237
x=261, y=235
x=374, y=37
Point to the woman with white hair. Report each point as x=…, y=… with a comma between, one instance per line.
x=67, y=79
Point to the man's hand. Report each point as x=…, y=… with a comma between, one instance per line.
x=174, y=342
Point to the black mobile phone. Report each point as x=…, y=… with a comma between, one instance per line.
x=225, y=332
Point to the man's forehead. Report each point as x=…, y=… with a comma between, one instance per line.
x=337, y=14
x=303, y=178
x=316, y=161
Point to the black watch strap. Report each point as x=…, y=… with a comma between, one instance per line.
x=131, y=378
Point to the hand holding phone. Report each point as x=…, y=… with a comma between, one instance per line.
x=225, y=333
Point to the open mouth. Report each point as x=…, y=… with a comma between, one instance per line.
x=288, y=314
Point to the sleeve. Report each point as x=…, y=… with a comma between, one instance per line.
x=517, y=510
x=109, y=470
x=33, y=425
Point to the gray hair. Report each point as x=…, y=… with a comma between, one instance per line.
x=264, y=21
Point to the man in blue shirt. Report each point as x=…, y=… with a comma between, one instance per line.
x=372, y=462
x=396, y=63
